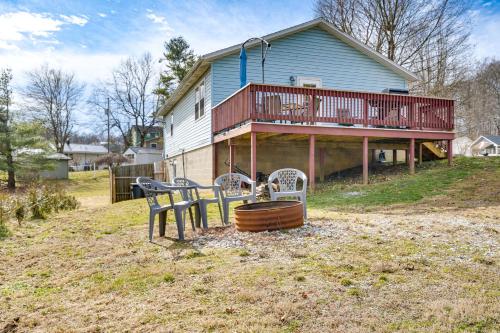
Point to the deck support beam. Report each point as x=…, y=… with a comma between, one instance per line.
x=394, y=156
x=312, y=162
x=365, y=160
x=253, y=155
x=231, y=155
x=450, y=152
x=412, y=156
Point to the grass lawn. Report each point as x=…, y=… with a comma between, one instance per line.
x=406, y=253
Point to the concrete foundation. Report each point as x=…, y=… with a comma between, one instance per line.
x=195, y=165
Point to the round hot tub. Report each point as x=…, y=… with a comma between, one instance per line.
x=270, y=215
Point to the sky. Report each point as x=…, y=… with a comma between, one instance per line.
x=91, y=37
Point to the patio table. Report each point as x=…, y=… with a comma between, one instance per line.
x=187, y=194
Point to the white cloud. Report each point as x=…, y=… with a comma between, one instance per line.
x=102, y=15
x=19, y=26
x=74, y=19
x=160, y=20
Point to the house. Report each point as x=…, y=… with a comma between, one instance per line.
x=153, y=136
x=487, y=145
x=327, y=102
x=139, y=155
x=83, y=156
x=462, y=146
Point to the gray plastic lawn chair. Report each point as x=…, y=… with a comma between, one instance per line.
x=202, y=202
x=152, y=189
x=230, y=185
x=287, y=185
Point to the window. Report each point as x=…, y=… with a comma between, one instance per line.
x=172, y=124
x=309, y=82
x=199, y=100
x=153, y=145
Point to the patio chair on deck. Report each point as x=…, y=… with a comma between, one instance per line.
x=230, y=185
x=202, y=202
x=152, y=189
x=287, y=185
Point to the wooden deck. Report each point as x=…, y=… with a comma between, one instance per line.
x=327, y=107
x=311, y=113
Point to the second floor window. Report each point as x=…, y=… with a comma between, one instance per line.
x=172, y=124
x=199, y=100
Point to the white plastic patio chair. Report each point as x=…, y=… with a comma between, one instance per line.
x=152, y=189
x=287, y=186
x=202, y=202
x=230, y=185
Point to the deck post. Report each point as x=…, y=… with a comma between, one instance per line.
x=450, y=152
x=406, y=156
x=412, y=156
x=253, y=155
x=231, y=155
x=312, y=164
x=420, y=153
x=214, y=161
x=394, y=156
x=365, y=160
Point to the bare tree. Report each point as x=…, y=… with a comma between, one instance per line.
x=428, y=37
x=132, y=101
x=478, y=100
x=53, y=96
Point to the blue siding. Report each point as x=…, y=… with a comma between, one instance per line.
x=310, y=53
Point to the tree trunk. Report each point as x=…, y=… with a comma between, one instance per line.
x=11, y=177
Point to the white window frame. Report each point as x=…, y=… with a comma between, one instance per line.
x=172, y=124
x=200, y=100
x=309, y=81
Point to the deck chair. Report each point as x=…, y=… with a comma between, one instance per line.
x=287, y=180
x=202, y=202
x=230, y=185
x=152, y=189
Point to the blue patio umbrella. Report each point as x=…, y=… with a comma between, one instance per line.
x=243, y=67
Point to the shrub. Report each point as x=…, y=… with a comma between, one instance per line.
x=4, y=232
x=19, y=210
x=45, y=199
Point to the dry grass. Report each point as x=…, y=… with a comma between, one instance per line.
x=423, y=267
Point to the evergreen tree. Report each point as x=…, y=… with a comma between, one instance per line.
x=22, y=146
x=180, y=59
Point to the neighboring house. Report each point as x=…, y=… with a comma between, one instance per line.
x=153, y=136
x=83, y=156
x=462, y=146
x=486, y=145
x=139, y=155
x=321, y=109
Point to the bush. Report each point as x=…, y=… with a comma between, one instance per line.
x=4, y=215
x=45, y=199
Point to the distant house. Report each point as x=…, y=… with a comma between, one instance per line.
x=487, y=145
x=83, y=156
x=140, y=155
x=461, y=146
x=153, y=137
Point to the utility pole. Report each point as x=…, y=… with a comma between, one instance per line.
x=107, y=113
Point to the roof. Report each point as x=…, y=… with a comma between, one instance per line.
x=58, y=156
x=147, y=129
x=203, y=63
x=75, y=148
x=142, y=150
x=494, y=139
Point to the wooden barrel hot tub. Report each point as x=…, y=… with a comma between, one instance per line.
x=271, y=215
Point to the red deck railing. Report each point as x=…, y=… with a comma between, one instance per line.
x=312, y=106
